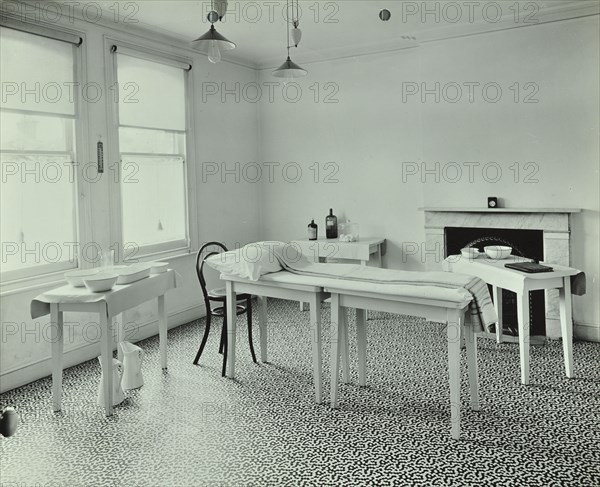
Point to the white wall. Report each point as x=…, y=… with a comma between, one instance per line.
x=227, y=131
x=367, y=135
x=373, y=130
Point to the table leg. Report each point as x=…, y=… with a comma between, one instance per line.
x=566, y=324
x=365, y=263
x=106, y=360
x=315, y=321
x=120, y=335
x=471, y=345
x=336, y=328
x=262, y=327
x=497, y=295
x=231, y=329
x=344, y=346
x=523, y=318
x=56, y=337
x=162, y=331
x=454, y=324
x=361, y=344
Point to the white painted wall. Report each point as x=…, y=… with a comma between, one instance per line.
x=372, y=131
x=224, y=131
x=366, y=135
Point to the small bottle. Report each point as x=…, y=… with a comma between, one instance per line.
x=312, y=230
x=331, y=225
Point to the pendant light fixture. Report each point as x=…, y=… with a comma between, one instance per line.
x=289, y=69
x=212, y=42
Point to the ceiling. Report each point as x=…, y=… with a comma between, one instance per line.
x=333, y=28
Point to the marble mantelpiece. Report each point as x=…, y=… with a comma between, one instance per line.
x=555, y=223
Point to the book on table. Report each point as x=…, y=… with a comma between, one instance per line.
x=529, y=267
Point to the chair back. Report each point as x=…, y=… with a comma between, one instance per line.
x=208, y=249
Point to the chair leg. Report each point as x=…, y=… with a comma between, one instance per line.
x=224, y=334
x=204, y=338
x=249, y=313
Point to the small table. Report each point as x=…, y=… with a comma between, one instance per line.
x=493, y=272
x=331, y=248
x=107, y=305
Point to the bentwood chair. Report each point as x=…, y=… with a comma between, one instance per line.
x=219, y=296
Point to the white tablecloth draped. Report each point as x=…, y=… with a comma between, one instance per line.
x=119, y=299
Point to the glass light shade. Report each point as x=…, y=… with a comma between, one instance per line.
x=289, y=69
x=214, y=53
x=296, y=35
x=205, y=41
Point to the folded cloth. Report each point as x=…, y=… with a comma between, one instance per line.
x=481, y=307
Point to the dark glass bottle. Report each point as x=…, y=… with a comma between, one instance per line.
x=331, y=226
x=312, y=230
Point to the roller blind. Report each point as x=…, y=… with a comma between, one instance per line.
x=152, y=94
x=40, y=31
x=36, y=73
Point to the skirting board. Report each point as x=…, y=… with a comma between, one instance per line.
x=26, y=374
x=588, y=332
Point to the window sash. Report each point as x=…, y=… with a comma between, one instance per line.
x=13, y=277
x=170, y=247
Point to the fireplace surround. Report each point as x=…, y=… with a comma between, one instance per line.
x=554, y=223
x=525, y=243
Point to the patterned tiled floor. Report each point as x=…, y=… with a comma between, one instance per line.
x=190, y=427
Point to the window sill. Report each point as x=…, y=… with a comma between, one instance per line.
x=161, y=255
x=56, y=279
x=29, y=284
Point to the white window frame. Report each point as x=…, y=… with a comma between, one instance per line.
x=164, y=249
x=52, y=272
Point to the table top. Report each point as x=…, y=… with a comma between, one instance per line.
x=120, y=298
x=493, y=272
x=324, y=240
x=484, y=264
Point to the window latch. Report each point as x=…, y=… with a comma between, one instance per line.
x=100, y=153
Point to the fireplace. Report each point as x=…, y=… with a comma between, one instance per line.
x=525, y=243
x=554, y=223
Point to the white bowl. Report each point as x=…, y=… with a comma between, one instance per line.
x=159, y=267
x=469, y=252
x=133, y=273
x=497, y=251
x=76, y=278
x=101, y=282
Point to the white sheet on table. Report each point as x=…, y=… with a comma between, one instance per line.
x=117, y=300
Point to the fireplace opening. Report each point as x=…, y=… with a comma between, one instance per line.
x=525, y=243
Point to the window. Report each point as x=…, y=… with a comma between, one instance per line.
x=38, y=197
x=152, y=150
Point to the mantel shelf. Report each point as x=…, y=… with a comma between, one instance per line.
x=500, y=210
